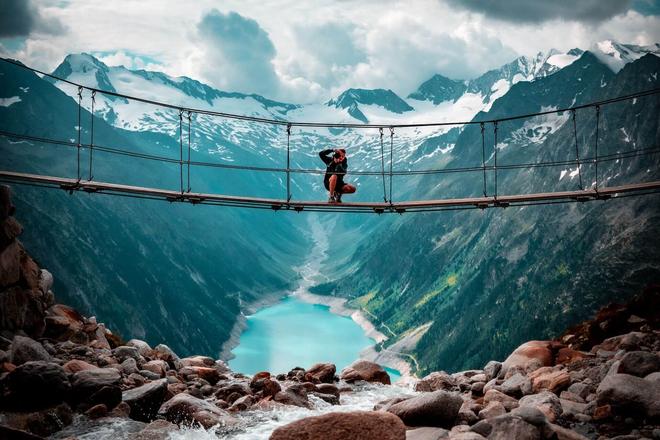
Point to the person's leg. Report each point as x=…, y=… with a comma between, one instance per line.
x=348, y=189
x=332, y=184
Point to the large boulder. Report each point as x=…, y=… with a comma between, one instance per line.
x=324, y=373
x=63, y=323
x=438, y=380
x=22, y=310
x=517, y=385
x=496, y=396
x=365, y=370
x=188, y=410
x=363, y=425
x=146, y=400
x=530, y=356
x=437, y=408
x=43, y=423
x=207, y=373
x=142, y=347
x=639, y=363
x=25, y=349
x=630, y=395
x=35, y=385
x=76, y=365
x=124, y=352
x=197, y=361
x=98, y=385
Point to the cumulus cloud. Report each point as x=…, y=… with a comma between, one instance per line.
x=20, y=18
x=237, y=53
x=528, y=11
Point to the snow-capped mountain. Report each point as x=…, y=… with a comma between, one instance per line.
x=386, y=99
x=616, y=55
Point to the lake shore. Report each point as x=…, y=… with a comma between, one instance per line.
x=338, y=306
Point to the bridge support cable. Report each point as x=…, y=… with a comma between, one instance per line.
x=495, y=153
x=79, y=129
x=382, y=163
x=391, y=160
x=189, y=152
x=483, y=155
x=596, y=147
x=577, y=150
x=288, y=163
x=91, y=138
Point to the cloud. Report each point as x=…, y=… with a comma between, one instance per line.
x=528, y=11
x=237, y=53
x=20, y=18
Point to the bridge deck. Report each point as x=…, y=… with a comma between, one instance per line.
x=298, y=205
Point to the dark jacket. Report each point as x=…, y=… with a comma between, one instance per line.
x=339, y=169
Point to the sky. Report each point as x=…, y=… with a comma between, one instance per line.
x=310, y=51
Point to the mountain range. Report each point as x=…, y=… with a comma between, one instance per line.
x=153, y=270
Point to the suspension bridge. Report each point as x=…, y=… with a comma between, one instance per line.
x=84, y=179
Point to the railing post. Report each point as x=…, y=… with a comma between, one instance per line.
x=391, y=159
x=495, y=167
x=596, y=148
x=181, y=150
x=79, y=145
x=91, y=139
x=483, y=155
x=189, y=153
x=288, y=163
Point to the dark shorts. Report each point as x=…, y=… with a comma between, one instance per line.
x=338, y=187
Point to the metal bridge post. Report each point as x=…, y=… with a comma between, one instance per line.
x=391, y=159
x=483, y=155
x=78, y=146
x=181, y=149
x=577, y=150
x=288, y=163
x=596, y=154
x=495, y=167
x=91, y=139
x=189, y=122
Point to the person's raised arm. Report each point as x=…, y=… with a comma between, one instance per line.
x=324, y=156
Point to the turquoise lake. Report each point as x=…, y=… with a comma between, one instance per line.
x=294, y=333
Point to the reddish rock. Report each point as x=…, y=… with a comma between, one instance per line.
x=295, y=394
x=365, y=370
x=188, y=410
x=324, y=372
x=438, y=380
x=550, y=378
x=567, y=356
x=497, y=396
x=209, y=374
x=437, y=408
x=76, y=365
x=97, y=411
x=546, y=402
x=363, y=425
x=197, y=361
x=602, y=412
x=157, y=366
x=62, y=322
x=530, y=356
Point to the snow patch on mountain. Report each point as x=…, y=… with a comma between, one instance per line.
x=6, y=102
x=616, y=55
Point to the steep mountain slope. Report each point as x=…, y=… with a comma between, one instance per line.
x=386, y=99
x=469, y=272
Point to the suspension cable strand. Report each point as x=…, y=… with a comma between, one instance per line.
x=78, y=146
x=495, y=167
x=391, y=160
x=91, y=138
x=483, y=155
x=189, y=153
x=596, y=148
x=382, y=163
x=181, y=149
x=288, y=163
x=577, y=150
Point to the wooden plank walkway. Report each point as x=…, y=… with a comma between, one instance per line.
x=277, y=204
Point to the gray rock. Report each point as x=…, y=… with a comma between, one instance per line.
x=45, y=281
x=188, y=410
x=545, y=401
x=437, y=408
x=365, y=370
x=581, y=389
x=630, y=395
x=427, y=433
x=146, y=400
x=24, y=349
x=384, y=405
x=129, y=366
x=295, y=394
x=509, y=427
x=531, y=415
x=124, y=352
x=482, y=427
x=149, y=374
x=142, y=347
x=86, y=383
x=639, y=363
x=571, y=408
x=517, y=385
x=654, y=377
x=492, y=369
x=493, y=409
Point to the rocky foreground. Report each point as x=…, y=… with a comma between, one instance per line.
x=599, y=380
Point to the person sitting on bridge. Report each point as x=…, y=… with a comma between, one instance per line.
x=337, y=167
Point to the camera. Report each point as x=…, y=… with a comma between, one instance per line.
x=336, y=155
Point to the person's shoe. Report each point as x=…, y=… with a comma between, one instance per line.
x=338, y=198
x=331, y=199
